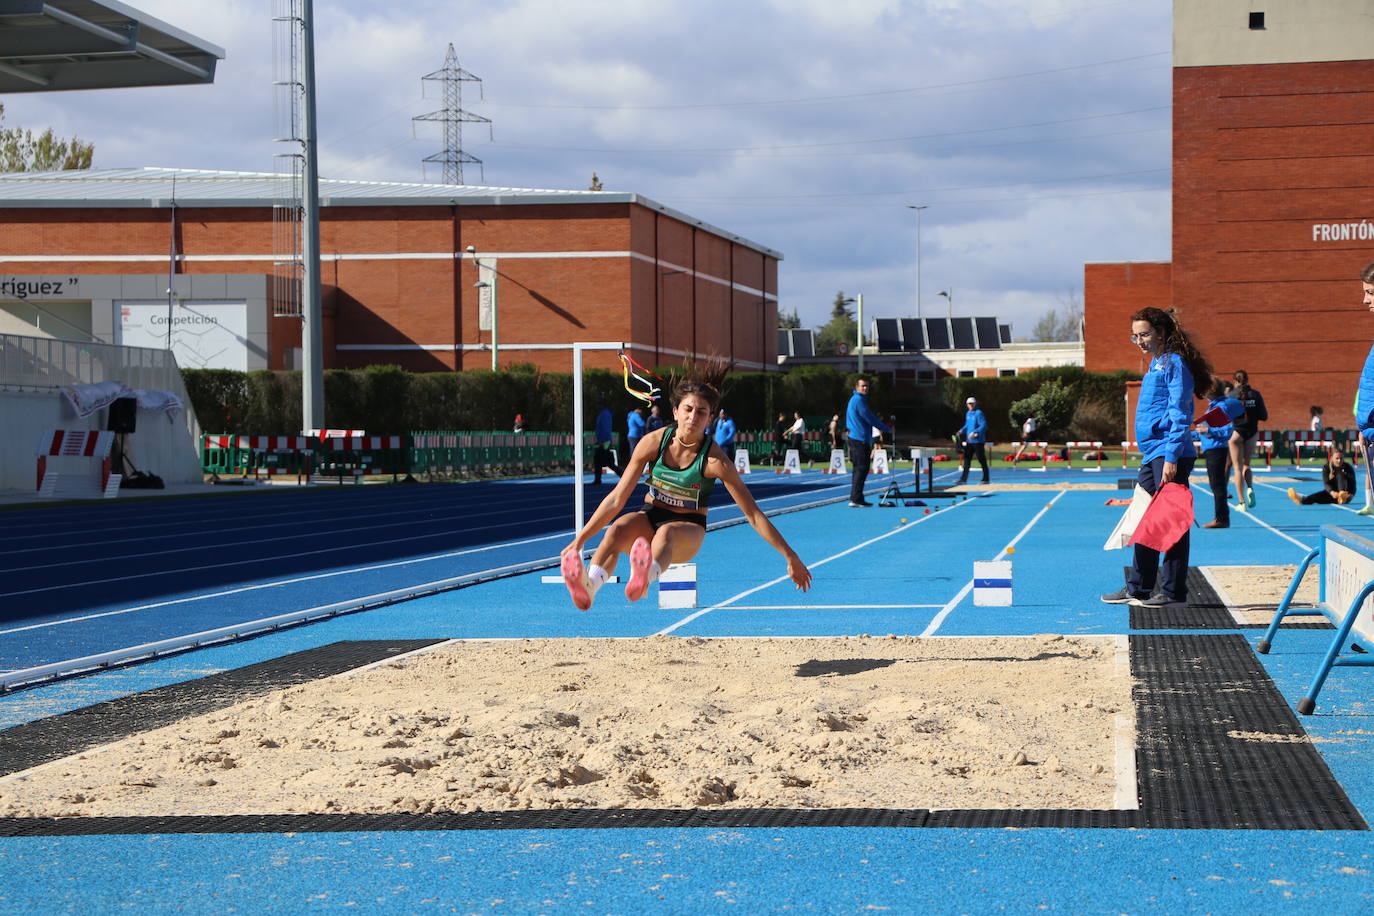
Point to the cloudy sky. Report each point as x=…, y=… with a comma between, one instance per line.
x=1036, y=132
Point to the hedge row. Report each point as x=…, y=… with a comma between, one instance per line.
x=386, y=400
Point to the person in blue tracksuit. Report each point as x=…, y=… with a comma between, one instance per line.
x=860, y=420
x=974, y=435
x=1216, y=447
x=1364, y=398
x=1163, y=432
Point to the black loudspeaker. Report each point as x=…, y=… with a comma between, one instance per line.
x=123, y=416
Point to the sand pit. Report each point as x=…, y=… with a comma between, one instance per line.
x=1253, y=592
x=661, y=722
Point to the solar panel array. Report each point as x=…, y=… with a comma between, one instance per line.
x=910, y=335
x=796, y=342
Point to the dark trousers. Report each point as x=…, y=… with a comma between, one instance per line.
x=971, y=449
x=860, y=454
x=603, y=457
x=1319, y=498
x=1217, y=459
x=1145, y=567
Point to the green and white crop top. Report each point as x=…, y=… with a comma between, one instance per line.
x=681, y=489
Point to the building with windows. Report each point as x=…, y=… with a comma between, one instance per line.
x=427, y=277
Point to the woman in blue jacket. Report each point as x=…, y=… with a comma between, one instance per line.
x=1217, y=448
x=1364, y=397
x=1164, y=434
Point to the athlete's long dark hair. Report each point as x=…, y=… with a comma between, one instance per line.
x=705, y=378
x=1176, y=340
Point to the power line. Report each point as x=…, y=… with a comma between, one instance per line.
x=831, y=98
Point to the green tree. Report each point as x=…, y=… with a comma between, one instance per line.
x=840, y=329
x=21, y=151
x=1052, y=405
x=786, y=321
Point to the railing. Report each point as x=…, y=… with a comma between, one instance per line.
x=48, y=363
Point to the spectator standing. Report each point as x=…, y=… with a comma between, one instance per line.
x=836, y=433
x=1163, y=432
x=780, y=438
x=725, y=434
x=635, y=428
x=655, y=420
x=1338, y=483
x=1247, y=434
x=860, y=421
x=519, y=423
x=602, y=454
x=797, y=431
x=1315, y=425
x=974, y=434
x=1364, y=398
x=1216, y=450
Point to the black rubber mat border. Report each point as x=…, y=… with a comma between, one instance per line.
x=1191, y=692
x=55, y=737
x=1205, y=611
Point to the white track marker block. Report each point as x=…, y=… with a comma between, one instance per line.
x=791, y=464
x=742, y=460
x=677, y=586
x=880, y=465
x=992, y=583
x=836, y=462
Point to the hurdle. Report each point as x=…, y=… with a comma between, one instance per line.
x=1347, y=580
x=1328, y=439
x=63, y=445
x=1266, y=443
x=1126, y=453
x=1044, y=456
x=1093, y=445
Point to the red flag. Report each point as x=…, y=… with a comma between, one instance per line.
x=1216, y=417
x=1168, y=518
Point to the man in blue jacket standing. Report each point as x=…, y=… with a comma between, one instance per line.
x=860, y=420
x=974, y=433
x=725, y=434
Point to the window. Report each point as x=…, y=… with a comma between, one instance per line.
x=1256, y=21
x=1006, y=373
x=925, y=376
x=966, y=373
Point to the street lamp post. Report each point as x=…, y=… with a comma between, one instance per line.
x=918, y=210
x=949, y=294
x=858, y=300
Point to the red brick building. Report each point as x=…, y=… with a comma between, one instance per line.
x=1115, y=292
x=98, y=250
x=1273, y=201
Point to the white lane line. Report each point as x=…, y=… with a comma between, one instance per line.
x=968, y=586
x=279, y=583
x=1250, y=514
x=826, y=607
x=758, y=588
x=294, y=581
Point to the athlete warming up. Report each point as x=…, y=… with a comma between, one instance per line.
x=684, y=464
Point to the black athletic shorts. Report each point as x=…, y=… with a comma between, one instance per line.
x=659, y=516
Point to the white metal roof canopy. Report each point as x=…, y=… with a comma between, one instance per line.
x=95, y=44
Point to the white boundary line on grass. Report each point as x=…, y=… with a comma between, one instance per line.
x=968, y=586
x=758, y=588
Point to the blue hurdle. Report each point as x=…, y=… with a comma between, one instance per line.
x=1347, y=580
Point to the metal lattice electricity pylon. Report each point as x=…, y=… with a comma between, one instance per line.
x=452, y=116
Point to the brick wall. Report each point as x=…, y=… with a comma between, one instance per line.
x=688, y=305
x=1262, y=154
x=1111, y=294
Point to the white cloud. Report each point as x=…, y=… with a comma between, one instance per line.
x=853, y=110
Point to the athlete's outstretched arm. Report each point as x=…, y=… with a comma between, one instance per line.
x=722, y=469
x=614, y=501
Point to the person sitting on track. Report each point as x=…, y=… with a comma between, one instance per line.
x=684, y=464
x=1338, y=483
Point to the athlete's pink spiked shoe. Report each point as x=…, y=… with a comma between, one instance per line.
x=640, y=558
x=575, y=577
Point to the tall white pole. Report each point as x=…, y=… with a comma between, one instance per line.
x=860, y=299
x=312, y=330
x=577, y=438
x=918, y=210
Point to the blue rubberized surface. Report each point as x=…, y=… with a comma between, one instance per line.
x=917, y=569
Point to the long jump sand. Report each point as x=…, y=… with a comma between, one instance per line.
x=659, y=722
